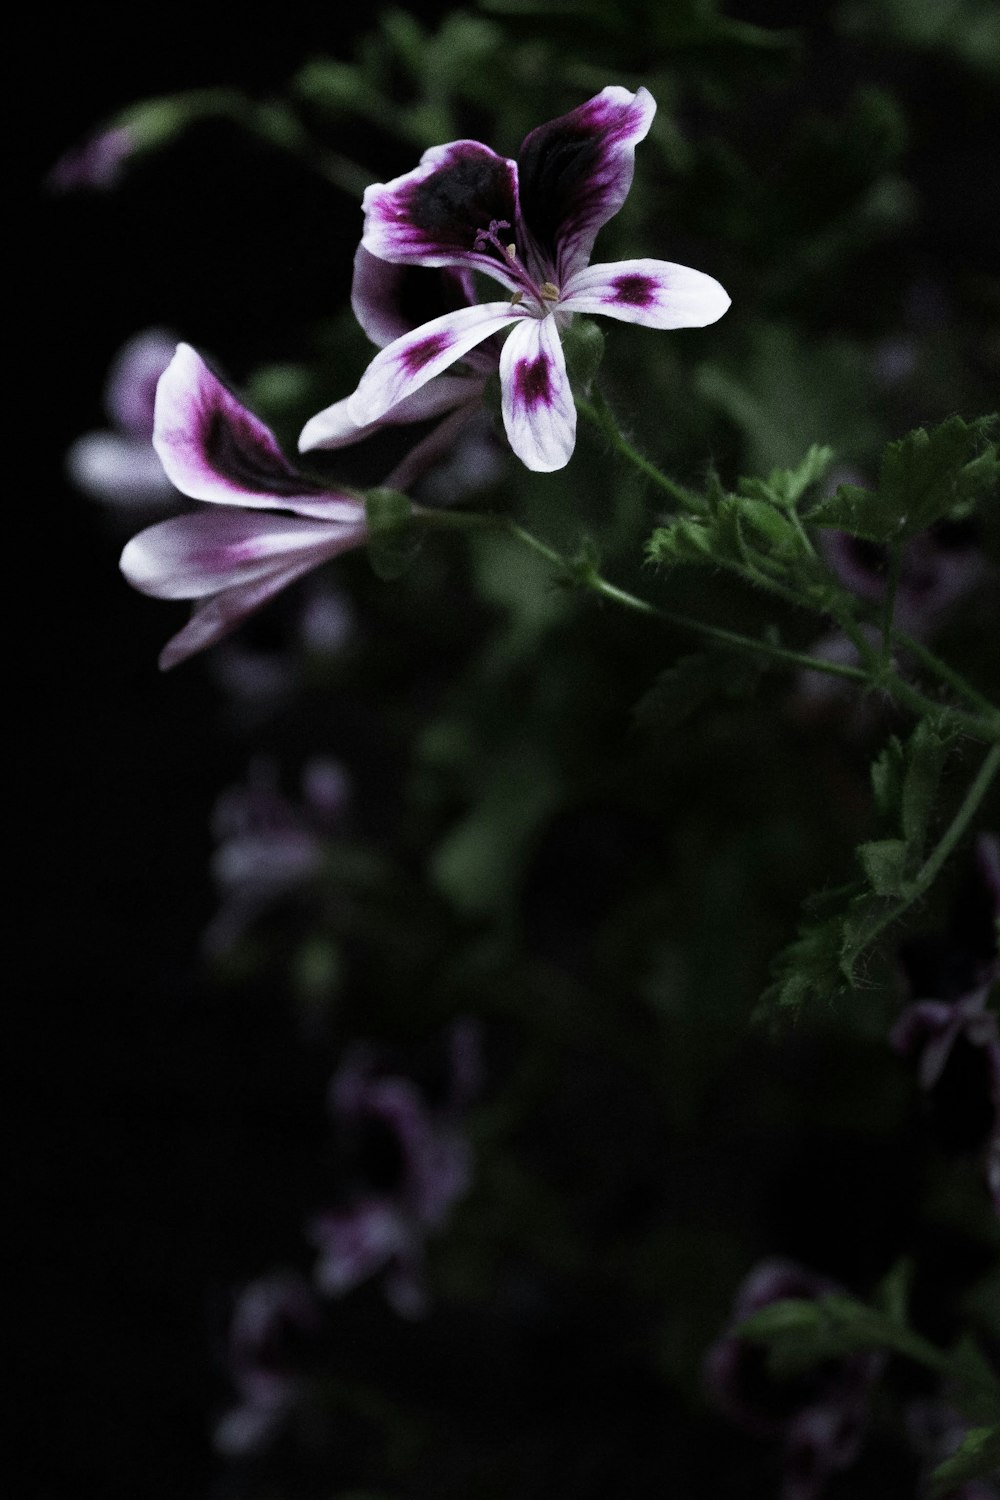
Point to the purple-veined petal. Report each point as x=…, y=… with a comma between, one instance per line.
x=575, y=173
x=433, y=215
x=655, y=293
x=335, y=428
x=212, y=448
x=389, y=300
x=402, y=368
x=538, y=409
x=119, y=470
x=217, y=616
x=190, y=556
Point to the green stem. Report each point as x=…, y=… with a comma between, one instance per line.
x=732, y=639
x=599, y=415
x=946, y=673
x=889, y=603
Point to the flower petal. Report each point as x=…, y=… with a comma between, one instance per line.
x=389, y=300
x=538, y=409
x=217, y=616
x=575, y=173
x=653, y=292
x=120, y=470
x=214, y=449
x=130, y=392
x=334, y=427
x=403, y=367
x=433, y=215
x=190, y=556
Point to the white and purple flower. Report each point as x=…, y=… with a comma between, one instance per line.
x=391, y=301
x=268, y=847
x=266, y=525
x=819, y=1414
x=404, y=1163
x=120, y=466
x=530, y=225
x=276, y=1325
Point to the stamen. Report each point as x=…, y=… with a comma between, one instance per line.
x=549, y=291
x=491, y=236
x=515, y=298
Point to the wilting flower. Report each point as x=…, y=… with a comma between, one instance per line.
x=120, y=467
x=404, y=1163
x=235, y=556
x=390, y=301
x=97, y=163
x=269, y=847
x=946, y=1031
x=530, y=225
x=276, y=1324
x=820, y=1413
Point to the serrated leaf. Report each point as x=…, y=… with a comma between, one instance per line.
x=926, y=753
x=923, y=477
x=771, y=523
x=885, y=863
x=785, y=487
x=977, y=1458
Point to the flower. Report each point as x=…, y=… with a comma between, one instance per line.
x=97, y=163
x=269, y=847
x=121, y=467
x=819, y=1413
x=530, y=225
x=404, y=1162
x=390, y=301
x=233, y=557
x=946, y=1030
x=275, y=1323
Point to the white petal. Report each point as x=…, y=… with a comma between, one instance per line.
x=653, y=292
x=412, y=361
x=335, y=428
x=538, y=409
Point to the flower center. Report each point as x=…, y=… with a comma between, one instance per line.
x=545, y=295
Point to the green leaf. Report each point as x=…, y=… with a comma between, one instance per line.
x=926, y=753
x=923, y=478
x=393, y=542
x=785, y=487
x=885, y=863
x=977, y=1458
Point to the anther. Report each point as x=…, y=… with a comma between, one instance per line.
x=549, y=291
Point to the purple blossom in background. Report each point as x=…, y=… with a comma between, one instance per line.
x=235, y=556
x=404, y=1163
x=260, y=678
x=819, y=1414
x=120, y=467
x=946, y=1031
x=268, y=847
x=530, y=225
x=99, y=162
x=938, y=567
x=276, y=1323
x=390, y=301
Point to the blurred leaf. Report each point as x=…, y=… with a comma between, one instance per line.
x=977, y=1458
x=692, y=682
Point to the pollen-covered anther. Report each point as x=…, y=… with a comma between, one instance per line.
x=516, y=298
x=549, y=291
x=512, y=253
